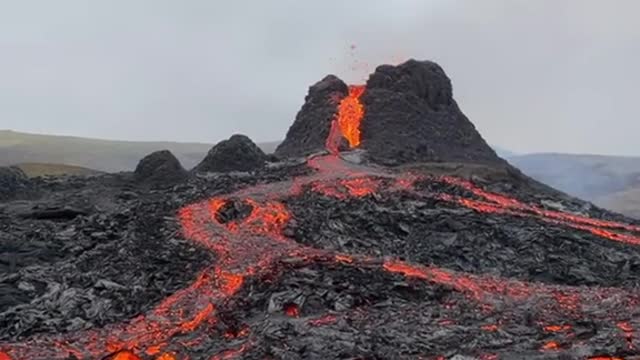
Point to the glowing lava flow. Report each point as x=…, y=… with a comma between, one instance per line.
x=347, y=121
x=254, y=245
x=500, y=204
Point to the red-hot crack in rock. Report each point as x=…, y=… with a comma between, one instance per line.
x=253, y=246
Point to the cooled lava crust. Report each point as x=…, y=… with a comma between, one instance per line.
x=351, y=261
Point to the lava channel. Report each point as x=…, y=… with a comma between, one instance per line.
x=346, y=124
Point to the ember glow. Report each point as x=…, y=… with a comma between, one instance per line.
x=250, y=247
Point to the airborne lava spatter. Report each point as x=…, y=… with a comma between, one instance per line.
x=254, y=245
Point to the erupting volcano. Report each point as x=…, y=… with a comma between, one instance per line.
x=337, y=259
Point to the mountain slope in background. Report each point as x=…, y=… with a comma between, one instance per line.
x=102, y=155
x=625, y=202
x=42, y=169
x=612, y=182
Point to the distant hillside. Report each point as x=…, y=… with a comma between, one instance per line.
x=103, y=155
x=625, y=202
x=587, y=176
x=612, y=182
x=39, y=169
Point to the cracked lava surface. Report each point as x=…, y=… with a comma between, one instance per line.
x=249, y=247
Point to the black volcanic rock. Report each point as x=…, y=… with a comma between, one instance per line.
x=13, y=182
x=411, y=116
x=238, y=153
x=309, y=131
x=160, y=167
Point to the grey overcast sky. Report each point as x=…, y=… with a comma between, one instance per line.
x=545, y=75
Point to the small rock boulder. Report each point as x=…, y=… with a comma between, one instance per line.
x=238, y=153
x=160, y=167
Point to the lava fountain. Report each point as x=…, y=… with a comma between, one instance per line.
x=346, y=123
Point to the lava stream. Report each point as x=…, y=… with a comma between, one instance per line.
x=347, y=121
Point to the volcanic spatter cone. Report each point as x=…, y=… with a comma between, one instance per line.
x=238, y=153
x=403, y=114
x=160, y=167
x=310, y=130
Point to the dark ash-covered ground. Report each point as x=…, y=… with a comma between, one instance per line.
x=422, y=229
x=84, y=252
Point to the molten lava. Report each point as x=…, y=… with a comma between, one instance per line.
x=551, y=345
x=167, y=356
x=557, y=328
x=126, y=355
x=350, y=113
x=347, y=121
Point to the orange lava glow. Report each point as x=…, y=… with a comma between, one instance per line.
x=347, y=122
x=500, y=204
x=345, y=259
x=4, y=356
x=153, y=350
x=230, y=354
x=126, y=355
x=345, y=188
x=360, y=187
x=237, y=333
x=557, y=328
x=193, y=324
x=551, y=345
x=166, y=356
x=266, y=219
x=350, y=113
